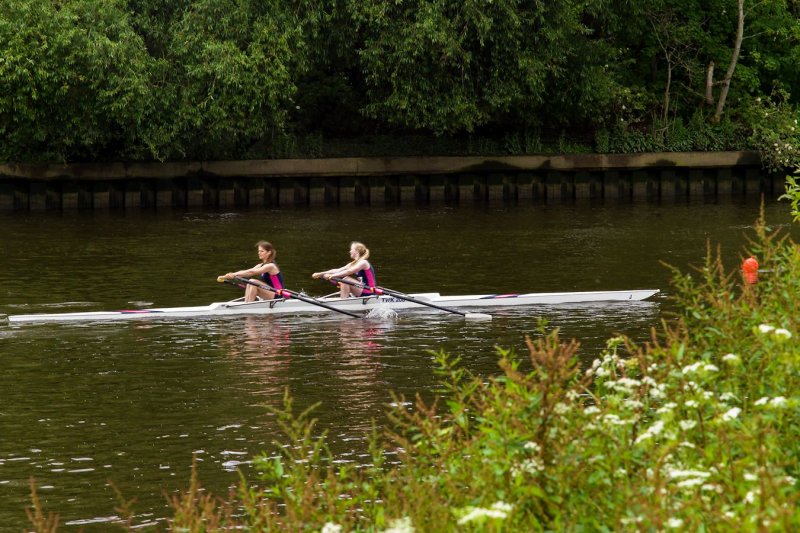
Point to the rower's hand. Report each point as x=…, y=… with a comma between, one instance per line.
x=316, y=275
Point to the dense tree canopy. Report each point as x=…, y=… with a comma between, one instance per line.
x=206, y=79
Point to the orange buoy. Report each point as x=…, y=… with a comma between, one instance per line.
x=750, y=270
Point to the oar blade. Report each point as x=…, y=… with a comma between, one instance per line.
x=477, y=316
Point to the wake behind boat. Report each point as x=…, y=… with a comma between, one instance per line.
x=351, y=305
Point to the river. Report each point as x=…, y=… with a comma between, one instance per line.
x=86, y=407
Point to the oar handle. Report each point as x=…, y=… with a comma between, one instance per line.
x=286, y=293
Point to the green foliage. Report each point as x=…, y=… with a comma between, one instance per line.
x=775, y=131
x=232, y=77
x=76, y=79
x=213, y=79
x=793, y=195
x=449, y=66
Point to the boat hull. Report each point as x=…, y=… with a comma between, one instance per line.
x=353, y=305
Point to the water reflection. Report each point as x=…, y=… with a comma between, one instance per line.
x=260, y=347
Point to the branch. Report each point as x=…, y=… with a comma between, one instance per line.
x=732, y=66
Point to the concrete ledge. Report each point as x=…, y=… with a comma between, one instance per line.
x=385, y=181
x=389, y=166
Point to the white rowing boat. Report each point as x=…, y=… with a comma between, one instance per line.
x=351, y=305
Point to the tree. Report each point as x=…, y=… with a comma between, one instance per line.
x=75, y=79
x=454, y=65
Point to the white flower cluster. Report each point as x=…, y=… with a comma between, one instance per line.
x=651, y=432
x=778, y=402
x=781, y=333
x=498, y=510
x=400, y=525
x=731, y=358
x=699, y=368
x=731, y=414
x=531, y=466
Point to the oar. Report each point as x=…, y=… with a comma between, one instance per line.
x=402, y=296
x=289, y=294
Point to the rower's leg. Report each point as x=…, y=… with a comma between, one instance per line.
x=346, y=290
x=250, y=293
x=266, y=295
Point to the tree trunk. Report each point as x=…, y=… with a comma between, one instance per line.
x=726, y=83
x=665, y=114
x=710, y=83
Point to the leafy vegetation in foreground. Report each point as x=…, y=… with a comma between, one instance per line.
x=92, y=80
x=698, y=429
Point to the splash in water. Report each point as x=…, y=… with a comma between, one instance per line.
x=382, y=312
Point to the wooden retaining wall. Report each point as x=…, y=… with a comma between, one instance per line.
x=384, y=181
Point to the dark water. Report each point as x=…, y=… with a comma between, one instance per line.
x=86, y=405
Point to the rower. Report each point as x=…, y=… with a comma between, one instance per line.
x=270, y=275
x=359, y=270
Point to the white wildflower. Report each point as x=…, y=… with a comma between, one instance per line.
x=750, y=497
x=667, y=408
x=690, y=483
x=686, y=425
x=530, y=445
x=691, y=403
x=731, y=358
x=691, y=369
x=689, y=445
x=710, y=487
x=400, y=525
x=731, y=414
x=572, y=395
x=633, y=404
x=330, y=527
x=652, y=431
x=498, y=510
x=762, y=401
x=711, y=368
x=531, y=466
x=727, y=396
x=748, y=476
x=678, y=474
x=784, y=333
x=625, y=385
x=561, y=408
x=591, y=410
x=614, y=420
x=502, y=506
x=766, y=328
x=674, y=523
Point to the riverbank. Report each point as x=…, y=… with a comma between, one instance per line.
x=277, y=183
